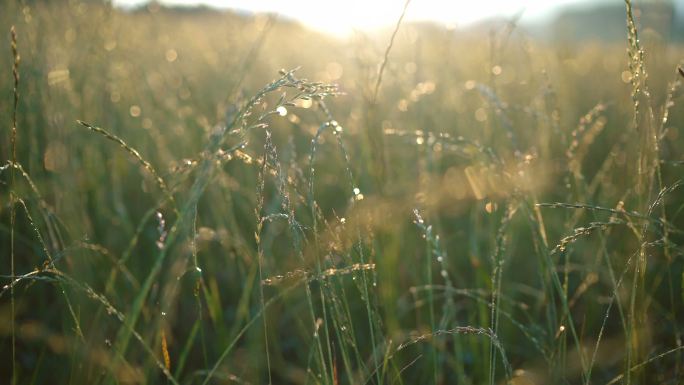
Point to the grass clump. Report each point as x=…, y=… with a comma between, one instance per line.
x=416, y=216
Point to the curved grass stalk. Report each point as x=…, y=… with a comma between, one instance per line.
x=132, y=151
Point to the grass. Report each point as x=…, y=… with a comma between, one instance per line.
x=438, y=206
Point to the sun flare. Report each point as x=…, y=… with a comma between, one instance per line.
x=342, y=18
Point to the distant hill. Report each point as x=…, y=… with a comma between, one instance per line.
x=606, y=22
x=601, y=22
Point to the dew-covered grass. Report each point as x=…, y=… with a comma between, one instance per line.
x=197, y=197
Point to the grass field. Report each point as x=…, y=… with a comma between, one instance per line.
x=197, y=197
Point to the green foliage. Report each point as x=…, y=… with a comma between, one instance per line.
x=438, y=206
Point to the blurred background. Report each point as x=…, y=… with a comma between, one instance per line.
x=421, y=214
x=342, y=19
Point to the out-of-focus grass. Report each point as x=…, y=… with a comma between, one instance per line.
x=499, y=211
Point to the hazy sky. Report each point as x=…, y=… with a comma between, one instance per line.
x=342, y=16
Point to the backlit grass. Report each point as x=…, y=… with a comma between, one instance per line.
x=197, y=197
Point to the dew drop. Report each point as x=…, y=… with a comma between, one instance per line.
x=282, y=111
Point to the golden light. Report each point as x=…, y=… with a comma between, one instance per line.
x=342, y=18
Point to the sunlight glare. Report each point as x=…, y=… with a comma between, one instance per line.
x=342, y=18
